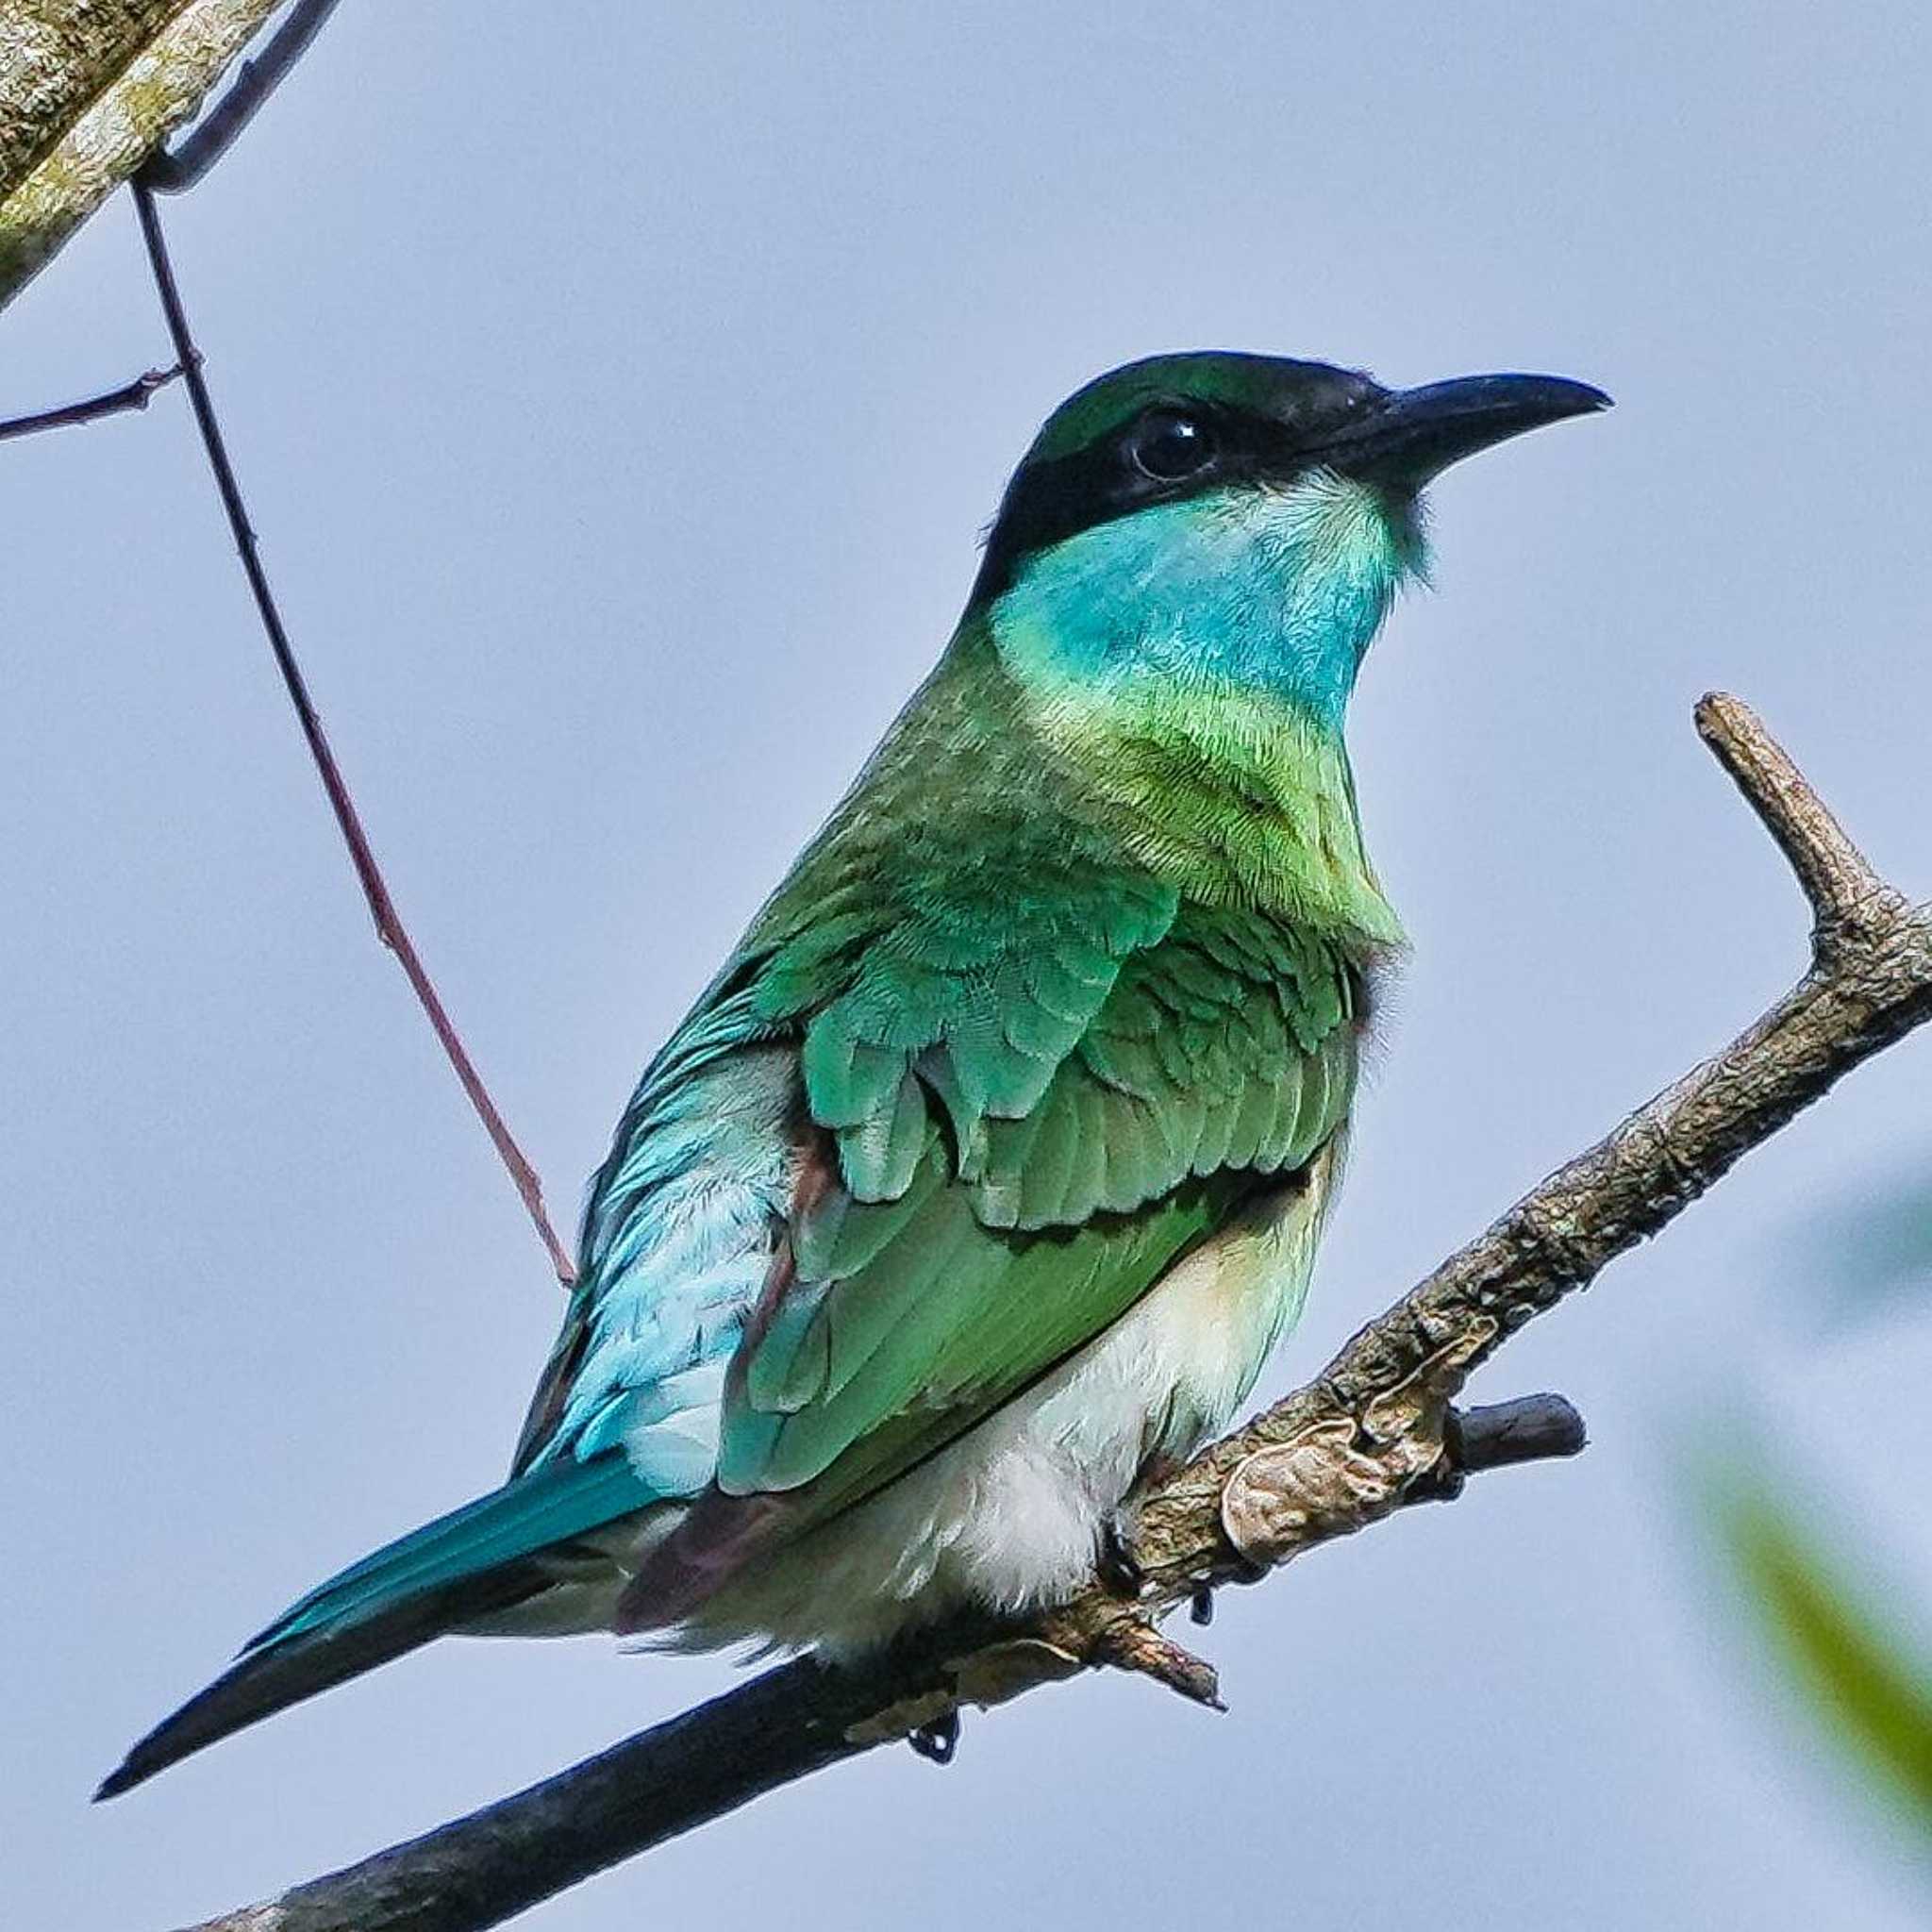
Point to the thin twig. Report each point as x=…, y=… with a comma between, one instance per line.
x=389, y=925
x=130, y=395
x=1373, y=1433
x=173, y=170
x=1835, y=877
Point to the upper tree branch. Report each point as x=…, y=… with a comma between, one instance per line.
x=1373, y=1433
x=89, y=89
x=175, y=171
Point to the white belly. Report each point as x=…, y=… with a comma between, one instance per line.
x=1009, y=1517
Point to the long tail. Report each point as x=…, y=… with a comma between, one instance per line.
x=473, y=1563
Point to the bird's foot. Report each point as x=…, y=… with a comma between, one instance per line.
x=1201, y=1604
x=1119, y=1568
x=937, y=1739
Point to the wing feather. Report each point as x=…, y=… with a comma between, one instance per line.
x=1037, y=1211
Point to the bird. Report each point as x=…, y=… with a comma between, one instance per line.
x=978, y=1185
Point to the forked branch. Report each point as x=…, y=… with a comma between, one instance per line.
x=114, y=402
x=174, y=171
x=1375, y=1432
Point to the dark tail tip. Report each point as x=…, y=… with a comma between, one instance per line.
x=286, y=1669
x=256, y=1684
x=124, y=1777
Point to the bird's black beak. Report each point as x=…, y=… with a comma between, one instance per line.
x=1417, y=433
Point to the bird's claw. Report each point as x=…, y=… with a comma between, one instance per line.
x=1201, y=1603
x=1120, y=1569
x=937, y=1739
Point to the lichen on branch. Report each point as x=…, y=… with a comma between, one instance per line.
x=88, y=90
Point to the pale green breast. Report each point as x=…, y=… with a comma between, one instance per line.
x=1060, y=1021
x=1193, y=664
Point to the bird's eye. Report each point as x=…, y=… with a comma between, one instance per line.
x=1169, y=447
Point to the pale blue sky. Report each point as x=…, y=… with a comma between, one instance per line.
x=620, y=393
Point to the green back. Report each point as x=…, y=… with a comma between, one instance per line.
x=1035, y=1066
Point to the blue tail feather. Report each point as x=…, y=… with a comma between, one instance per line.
x=551, y=1504
x=475, y=1563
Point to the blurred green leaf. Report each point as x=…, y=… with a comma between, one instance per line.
x=1867, y=1682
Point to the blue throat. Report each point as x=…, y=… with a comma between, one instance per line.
x=1277, y=592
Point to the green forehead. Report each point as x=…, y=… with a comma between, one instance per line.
x=1209, y=375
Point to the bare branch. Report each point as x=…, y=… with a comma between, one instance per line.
x=389, y=923
x=175, y=171
x=1837, y=879
x=113, y=402
x=1373, y=1433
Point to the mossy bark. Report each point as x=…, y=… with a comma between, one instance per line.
x=89, y=89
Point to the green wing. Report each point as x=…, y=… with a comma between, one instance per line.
x=1023, y=1108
